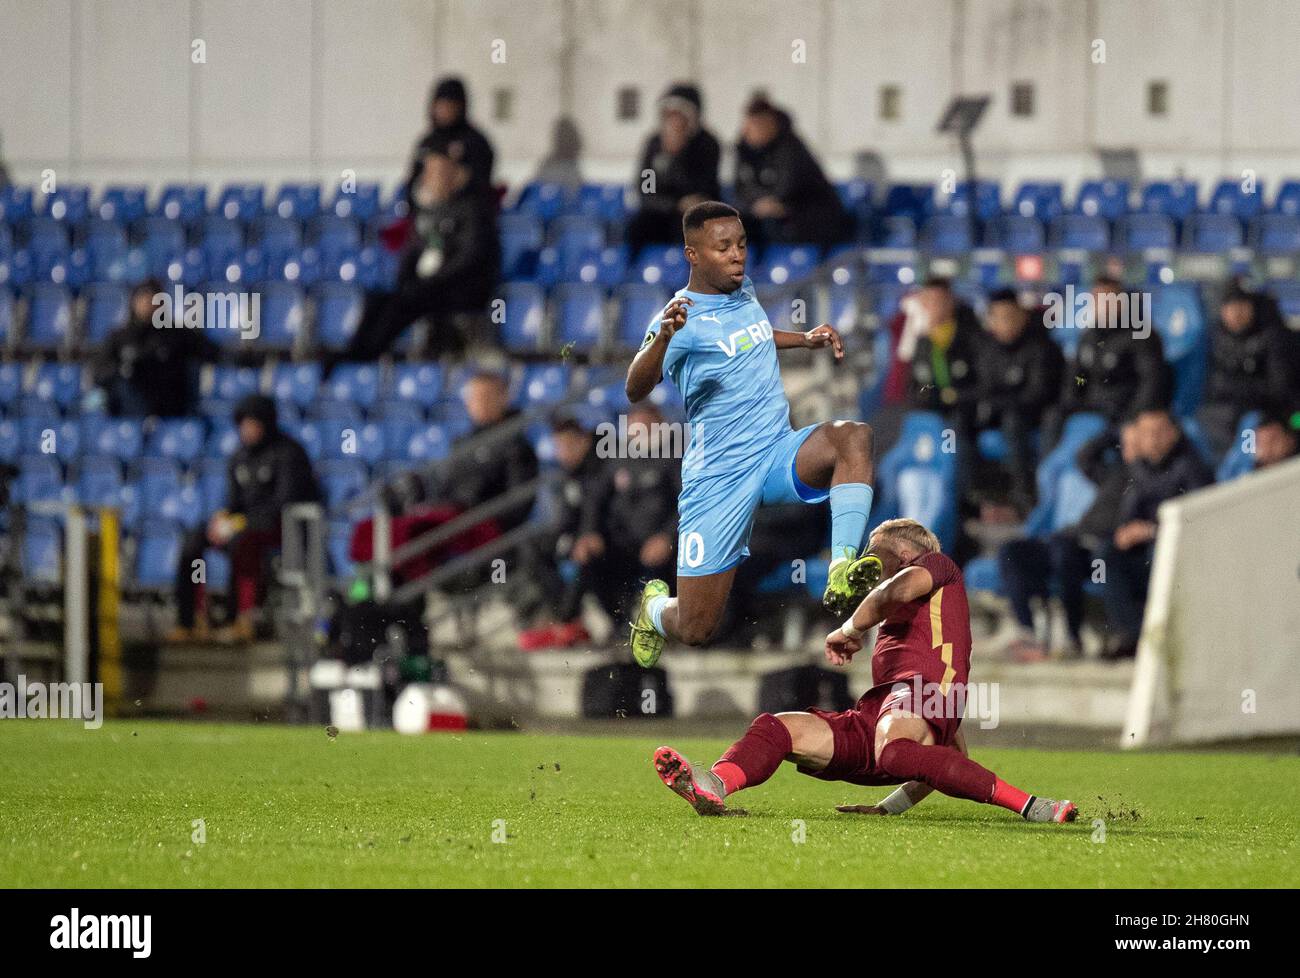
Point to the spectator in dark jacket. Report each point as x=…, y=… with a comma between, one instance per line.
x=268, y=472
x=946, y=358
x=1168, y=465
x=1030, y=567
x=449, y=126
x=679, y=168
x=1252, y=364
x=1118, y=366
x=1017, y=377
x=616, y=522
x=781, y=191
x=146, y=369
x=451, y=265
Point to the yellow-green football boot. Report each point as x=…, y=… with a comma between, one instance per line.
x=647, y=643
x=850, y=580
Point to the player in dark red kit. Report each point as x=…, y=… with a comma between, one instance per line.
x=905, y=730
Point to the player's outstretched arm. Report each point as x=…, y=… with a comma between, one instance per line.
x=823, y=335
x=647, y=367
x=907, y=585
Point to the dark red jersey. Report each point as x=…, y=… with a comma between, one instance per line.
x=928, y=637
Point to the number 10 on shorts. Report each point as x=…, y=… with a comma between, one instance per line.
x=690, y=550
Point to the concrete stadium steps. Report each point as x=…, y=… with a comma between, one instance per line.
x=206, y=678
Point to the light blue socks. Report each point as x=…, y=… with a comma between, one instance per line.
x=850, y=507
x=656, y=609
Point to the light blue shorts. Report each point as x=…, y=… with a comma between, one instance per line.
x=715, y=515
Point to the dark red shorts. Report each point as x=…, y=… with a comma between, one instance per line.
x=853, y=759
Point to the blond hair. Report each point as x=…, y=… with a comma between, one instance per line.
x=910, y=532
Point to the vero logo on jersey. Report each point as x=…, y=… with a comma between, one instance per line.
x=745, y=339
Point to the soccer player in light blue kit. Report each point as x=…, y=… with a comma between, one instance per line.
x=715, y=342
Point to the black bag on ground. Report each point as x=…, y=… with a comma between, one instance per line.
x=624, y=689
x=800, y=687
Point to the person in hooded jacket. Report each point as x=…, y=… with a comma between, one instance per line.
x=781, y=191
x=147, y=370
x=679, y=168
x=449, y=126
x=268, y=472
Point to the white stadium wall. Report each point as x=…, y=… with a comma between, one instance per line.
x=1219, y=657
x=105, y=90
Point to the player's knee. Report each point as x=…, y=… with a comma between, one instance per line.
x=860, y=439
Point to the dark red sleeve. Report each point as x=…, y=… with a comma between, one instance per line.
x=941, y=567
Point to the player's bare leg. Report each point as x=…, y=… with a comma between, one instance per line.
x=690, y=618
x=905, y=748
x=801, y=738
x=905, y=796
x=838, y=456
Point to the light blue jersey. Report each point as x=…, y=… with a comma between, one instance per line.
x=723, y=361
x=742, y=450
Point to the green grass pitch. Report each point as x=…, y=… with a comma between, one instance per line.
x=284, y=806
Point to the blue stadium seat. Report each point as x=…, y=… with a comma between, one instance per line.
x=11, y=382
x=525, y=316
x=338, y=540
x=241, y=201
x=659, y=265
x=1088, y=232
x=1275, y=234
x=638, y=306
x=47, y=246
x=947, y=234
x=1174, y=199
x=283, y=312
x=222, y=241
x=1212, y=233
x=1107, y=199
x=297, y=383
x=99, y=480
x=575, y=237
x=544, y=383
x=276, y=237
x=40, y=480
x=1180, y=319
x=106, y=309
x=983, y=199
x=338, y=311
x=1138, y=232
x=16, y=204
x=337, y=239
x=8, y=320
x=223, y=436
x=42, y=551
x=1288, y=199
x=360, y=202
x=606, y=267
x=579, y=315
x=123, y=204
x=896, y=231
x=69, y=204
x=1236, y=460
x=918, y=478
x=231, y=383
x=521, y=240
x=158, y=550
x=354, y=382
x=1043, y=201
x=122, y=439
x=605, y=202
x=396, y=434
x=180, y=439
x=1230, y=199
x=342, y=481
x=186, y=203
x=298, y=201
x=1018, y=234
x=183, y=507
x=428, y=444
x=327, y=410
x=410, y=412
x=914, y=201
x=419, y=384
x=212, y=484
x=11, y=442
x=58, y=383
x=1287, y=294
x=545, y=201
x=1062, y=504
x=106, y=251
x=785, y=264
